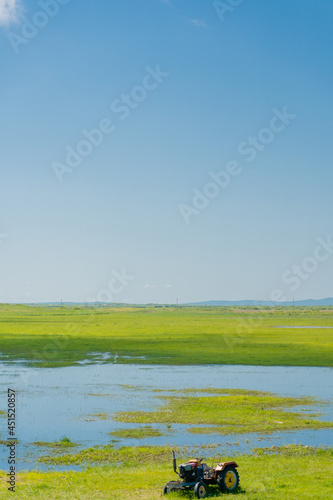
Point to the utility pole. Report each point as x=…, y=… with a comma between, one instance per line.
x=177, y=305
x=293, y=306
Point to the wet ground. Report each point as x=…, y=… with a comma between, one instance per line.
x=53, y=403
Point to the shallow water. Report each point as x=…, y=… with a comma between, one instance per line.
x=58, y=402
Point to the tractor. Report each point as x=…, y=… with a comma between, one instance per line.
x=197, y=475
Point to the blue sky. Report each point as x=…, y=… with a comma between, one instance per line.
x=197, y=83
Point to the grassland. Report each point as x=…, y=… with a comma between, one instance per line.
x=54, y=337
x=230, y=411
x=284, y=473
x=51, y=337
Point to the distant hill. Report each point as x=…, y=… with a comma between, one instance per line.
x=308, y=302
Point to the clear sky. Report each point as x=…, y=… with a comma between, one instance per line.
x=210, y=174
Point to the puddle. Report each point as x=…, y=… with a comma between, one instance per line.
x=54, y=403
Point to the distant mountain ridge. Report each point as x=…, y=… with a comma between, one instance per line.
x=309, y=302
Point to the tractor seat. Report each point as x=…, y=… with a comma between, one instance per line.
x=197, y=462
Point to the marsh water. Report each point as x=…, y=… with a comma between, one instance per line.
x=58, y=402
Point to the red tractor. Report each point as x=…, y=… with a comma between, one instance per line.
x=196, y=475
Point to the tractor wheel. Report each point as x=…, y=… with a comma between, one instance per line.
x=200, y=490
x=228, y=480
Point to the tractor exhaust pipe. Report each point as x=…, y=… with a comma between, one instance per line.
x=174, y=462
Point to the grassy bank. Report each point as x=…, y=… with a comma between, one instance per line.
x=277, y=474
x=208, y=335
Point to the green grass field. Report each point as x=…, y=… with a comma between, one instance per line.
x=286, y=473
x=52, y=337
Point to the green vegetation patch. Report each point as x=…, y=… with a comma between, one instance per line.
x=65, y=442
x=97, y=416
x=138, y=433
x=295, y=450
x=229, y=412
x=124, y=456
x=5, y=443
x=141, y=474
x=99, y=395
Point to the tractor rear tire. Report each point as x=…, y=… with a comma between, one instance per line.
x=200, y=490
x=228, y=480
